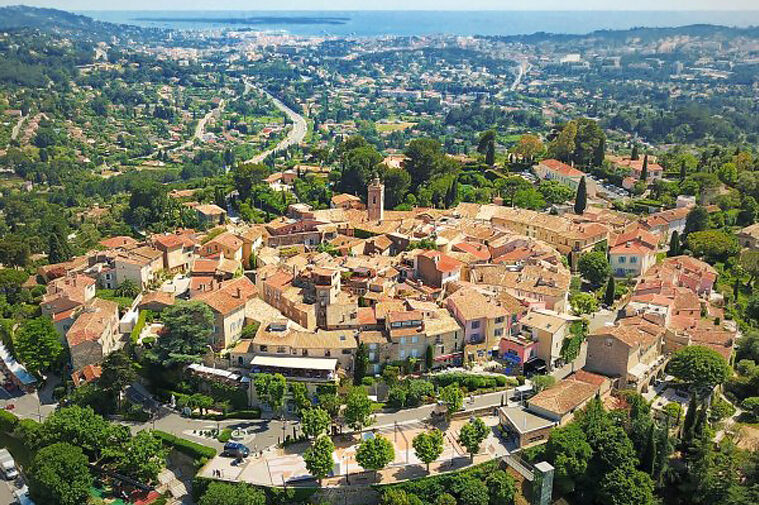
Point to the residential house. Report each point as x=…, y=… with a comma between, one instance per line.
x=484, y=321
x=560, y=402
x=555, y=170
x=549, y=329
x=346, y=201
x=95, y=333
x=749, y=236
x=64, y=297
x=436, y=269
x=630, y=352
x=226, y=244
x=138, y=265
x=633, y=253
x=210, y=215
x=228, y=304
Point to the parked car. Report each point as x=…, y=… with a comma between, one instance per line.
x=7, y=465
x=235, y=450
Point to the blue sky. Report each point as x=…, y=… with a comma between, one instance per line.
x=393, y=4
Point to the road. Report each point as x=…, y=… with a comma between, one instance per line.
x=523, y=68
x=294, y=137
x=201, y=126
x=17, y=127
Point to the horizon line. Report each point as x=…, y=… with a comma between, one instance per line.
x=393, y=10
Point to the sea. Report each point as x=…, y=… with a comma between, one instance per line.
x=409, y=23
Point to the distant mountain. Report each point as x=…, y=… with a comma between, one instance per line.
x=645, y=33
x=22, y=16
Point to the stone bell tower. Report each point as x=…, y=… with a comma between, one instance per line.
x=375, y=202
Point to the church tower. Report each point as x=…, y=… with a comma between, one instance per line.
x=376, y=200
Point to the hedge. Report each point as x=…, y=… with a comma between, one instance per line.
x=141, y=320
x=471, y=382
x=292, y=495
x=195, y=451
x=8, y=422
x=234, y=414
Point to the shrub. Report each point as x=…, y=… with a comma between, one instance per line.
x=8, y=422
x=225, y=435
x=195, y=451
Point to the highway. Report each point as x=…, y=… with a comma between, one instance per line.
x=294, y=137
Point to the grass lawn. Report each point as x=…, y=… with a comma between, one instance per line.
x=391, y=127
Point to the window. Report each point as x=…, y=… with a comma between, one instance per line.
x=475, y=325
x=633, y=259
x=263, y=348
x=403, y=340
x=346, y=351
x=414, y=340
x=403, y=354
x=622, y=259
x=498, y=332
x=281, y=349
x=305, y=352
x=499, y=320
x=327, y=353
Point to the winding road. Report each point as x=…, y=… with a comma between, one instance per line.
x=201, y=126
x=294, y=137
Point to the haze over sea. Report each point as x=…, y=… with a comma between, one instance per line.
x=373, y=23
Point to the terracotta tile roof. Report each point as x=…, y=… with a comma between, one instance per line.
x=157, y=297
x=230, y=296
x=203, y=266
x=87, y=374
x=92, y=322
x=210, y=210
x=479, y=251
x=565, y=396
x=562, y=168
x=168, y=241
x=365, y=316
x=120, y=241
x=444, y=262
x=472, y=304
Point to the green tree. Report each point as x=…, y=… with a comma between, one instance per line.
x=59, y=475
x=452, y=396
x=644, y=169
x=486, y=146
x=318, y=457
x=247, y=175
x=696, y=220
x=701, y=366
x=674, y=245
x=358, y=408
x=611, y=290
x=563, y=146
x=627, y=486
x=472, y=434
x=424, y=160
x=375, y=453
x=428, y=446
x=635, y=156
x=128, y=289
x=429, y=358
x=58, y=249
x=751, y=405
x=528, y=147
x=397, y=183
x=501, y=488
x=543, y=382
x=188, y=328
x=299, y=393
x=142, y=457
x=713, y=245
x=594, y=267
x=314, y=421
x=38, y=345
x=581, y=198
x=358, y=166
x=583, y=303
x=271, y=390
x=117, y=373
x=569, y=452
x=471, y=491
x=225, y=493
x=361, y=363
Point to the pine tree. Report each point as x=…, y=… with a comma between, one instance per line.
x=674, y=244
x=610, y=291
x=59, y=249
x=634, y=156
x=581, y=198
x=644, y=170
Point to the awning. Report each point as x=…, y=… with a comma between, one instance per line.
x=327, y=364
x=444, y=357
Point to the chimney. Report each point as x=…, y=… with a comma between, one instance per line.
x=239, y=293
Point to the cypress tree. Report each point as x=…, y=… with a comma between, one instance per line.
x=581, y=198
x=600, y=152
x=610, y=290
x=634, y=156
x=662, y=454
x=648, y=459
x=690, y=419
x=490, y=156
x=644, y=170
x=683, y=171
x=699, y=427
x=674, y=244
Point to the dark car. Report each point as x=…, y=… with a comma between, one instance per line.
x=235, y=450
